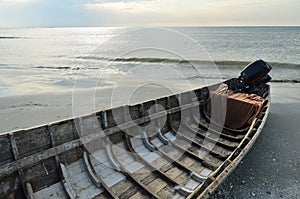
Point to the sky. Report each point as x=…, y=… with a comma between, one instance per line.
x=132, y=13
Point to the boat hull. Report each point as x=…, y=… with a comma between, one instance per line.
x=163, y=148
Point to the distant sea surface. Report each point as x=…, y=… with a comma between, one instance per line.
x=52, y=59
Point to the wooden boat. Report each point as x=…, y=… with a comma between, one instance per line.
x=125, y=152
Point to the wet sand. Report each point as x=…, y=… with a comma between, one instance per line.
x=271, y=169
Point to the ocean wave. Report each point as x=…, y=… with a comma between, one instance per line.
x=57, y=67
x=229, y=77
x=286, y=80
x=135, y=59
x=7, y=37
x=182, y=61
x=8, y=66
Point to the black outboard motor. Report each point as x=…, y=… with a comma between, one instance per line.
x=253, y=79
x=254, y=72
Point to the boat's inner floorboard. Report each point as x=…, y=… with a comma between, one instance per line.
x=198, y=151
x=180, y=156
x=53, y=191
x=166, y=167
x=181, y=161
x=80, y=181
x=213, y=137
x=116, y=181
x=105, y=170
x=200, y=142
x=150, y=176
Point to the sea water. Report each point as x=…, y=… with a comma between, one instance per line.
x=57, y=59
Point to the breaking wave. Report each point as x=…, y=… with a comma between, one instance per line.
x=4, y=37
x=229, y=77
x=182, y=61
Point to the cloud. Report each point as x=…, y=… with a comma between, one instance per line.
x=116, y=1
x=142, y=6
x=128, y=6
x=246, y=3
x=194, y=12
x=16, y=1
x=148, y=12
x=132, y=12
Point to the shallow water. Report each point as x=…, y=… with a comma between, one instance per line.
x=51, y=59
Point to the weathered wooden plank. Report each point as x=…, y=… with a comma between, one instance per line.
x=173, y=101
x=156, y=173
x=87, y=125
x=168, y=161
x=16, y=155
x=6, y=155
x=9, y=184
x=32, y=141
x=63, y=132
x=80, y=181
x=9, y=168
x=42, y=174
x=54, y=191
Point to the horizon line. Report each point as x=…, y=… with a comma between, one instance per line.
x=183, y=26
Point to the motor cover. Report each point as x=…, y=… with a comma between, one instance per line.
x=254, y=72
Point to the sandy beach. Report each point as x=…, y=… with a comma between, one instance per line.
x=269, y=170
